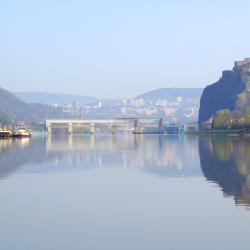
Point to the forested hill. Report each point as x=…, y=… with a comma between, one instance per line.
x=12, y=108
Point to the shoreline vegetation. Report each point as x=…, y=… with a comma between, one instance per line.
x=238, y=132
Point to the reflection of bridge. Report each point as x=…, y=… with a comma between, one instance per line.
x=135, y=125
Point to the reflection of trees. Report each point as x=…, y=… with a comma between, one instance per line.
x=223, y=149
x=226, y=161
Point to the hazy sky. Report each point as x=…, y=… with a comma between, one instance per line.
x=119, y=48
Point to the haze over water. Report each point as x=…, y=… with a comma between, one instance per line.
x=125, y=192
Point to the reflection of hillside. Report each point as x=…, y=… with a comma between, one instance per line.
x=12, y=155
x=226, y=161
x=16, y=153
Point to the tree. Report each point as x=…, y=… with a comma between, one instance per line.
x=237, y=119
x=246, y=117
x=222, y=119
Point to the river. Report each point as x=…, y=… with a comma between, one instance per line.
x=120, y=192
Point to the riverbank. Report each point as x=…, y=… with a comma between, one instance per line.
x=239, y=132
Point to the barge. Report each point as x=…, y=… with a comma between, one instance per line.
x=5, y=133
x=21, y=133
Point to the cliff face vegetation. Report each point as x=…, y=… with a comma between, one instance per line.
x=225, y=104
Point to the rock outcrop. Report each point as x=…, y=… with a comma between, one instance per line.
x=232, y=92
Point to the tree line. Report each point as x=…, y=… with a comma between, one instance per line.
x=227, y=119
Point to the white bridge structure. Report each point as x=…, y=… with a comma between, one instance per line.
x=135, y=125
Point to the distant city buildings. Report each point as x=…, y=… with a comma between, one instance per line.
x=177, y=109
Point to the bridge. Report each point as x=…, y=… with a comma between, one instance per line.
x=134, y=125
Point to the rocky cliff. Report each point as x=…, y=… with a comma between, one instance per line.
x=232, y=92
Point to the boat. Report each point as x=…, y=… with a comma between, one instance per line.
x=5, y=133
x=21, y=133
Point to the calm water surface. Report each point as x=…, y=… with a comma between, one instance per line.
x=125, y=192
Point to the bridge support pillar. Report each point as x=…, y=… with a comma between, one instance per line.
x=114, y=128
x=48, y=128
x=92, y=128
x=137, y=127
x=70, y=128
x=161, y=126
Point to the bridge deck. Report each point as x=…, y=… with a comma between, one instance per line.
x=115, y=124
x=101, y=120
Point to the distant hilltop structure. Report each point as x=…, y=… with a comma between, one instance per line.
x=226, y=103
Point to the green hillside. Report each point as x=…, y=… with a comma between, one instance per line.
x=14, y=109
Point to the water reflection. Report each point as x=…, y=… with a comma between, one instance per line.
x=226, y=161
x=155, y=154
x=16, y=153
x=111, y=193
x=160, y=155
x=223, y=160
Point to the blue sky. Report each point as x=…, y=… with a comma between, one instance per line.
x=114, y=49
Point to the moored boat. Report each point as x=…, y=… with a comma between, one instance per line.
x=5, y=133
x=21, y=133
